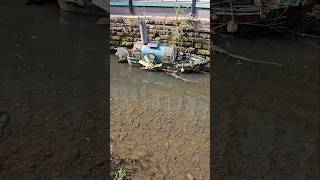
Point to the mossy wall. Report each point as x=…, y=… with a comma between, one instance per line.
x=125, y=31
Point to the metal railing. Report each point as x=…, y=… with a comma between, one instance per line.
x=204, y=4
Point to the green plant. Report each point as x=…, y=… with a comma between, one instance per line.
x=128, y=28
x=126, y=43
x=120, y=174
x=164, y=22
x=177, y=33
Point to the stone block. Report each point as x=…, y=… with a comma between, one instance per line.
x=190, y=28
x=160, y=27
x=152, y=31
x=206, y=46
x=199, y=40
x=120, y=33
x=169, y=22
x=204, y=30
x=115, y=38
x=150, y=21
x=187, y=44
x=164, y=37
x=207, y=41
x=135, y=30
x=128, y=39
x=158, y=22
x=136, y=35
x=198, y=45
x=203, y=52
x=119, y=28
x=205, y=35
x=114, y=43
x=163, y=32
x=114, y=28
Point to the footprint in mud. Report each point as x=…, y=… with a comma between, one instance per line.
x=4, y=119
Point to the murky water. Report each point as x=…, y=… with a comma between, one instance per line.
x=161, y=121
x=266, y=118
x=53, y=89
x=152, y=86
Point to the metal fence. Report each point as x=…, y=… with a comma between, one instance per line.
x=205, y=4
x=199, y=8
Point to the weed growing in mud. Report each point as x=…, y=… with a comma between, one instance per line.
x=121, y=169
x=120, y=174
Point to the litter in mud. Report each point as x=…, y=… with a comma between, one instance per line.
x=156, y=56
x=266, y=13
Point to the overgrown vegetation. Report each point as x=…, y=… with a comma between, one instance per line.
x=177, y=34
x=121, y=169
x=128, y=29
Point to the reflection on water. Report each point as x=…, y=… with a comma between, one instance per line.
x=160, y=90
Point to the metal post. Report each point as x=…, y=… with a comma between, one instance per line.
x=193, y=7
x=131, y=6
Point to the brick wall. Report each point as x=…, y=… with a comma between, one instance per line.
x=124, y=31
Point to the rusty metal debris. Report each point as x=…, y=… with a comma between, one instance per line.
x=154, y=55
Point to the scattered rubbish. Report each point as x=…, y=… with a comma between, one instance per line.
x=156, y=56
x=190, y=177
x=122, y=53
x=175, y=74
x=257, y=13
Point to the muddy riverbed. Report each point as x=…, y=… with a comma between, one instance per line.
x=160, y=122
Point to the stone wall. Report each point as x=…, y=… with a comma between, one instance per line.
x=124, y=31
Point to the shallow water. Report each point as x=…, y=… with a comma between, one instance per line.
x=53, y=90
x=161, y=121
x=266, y=118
